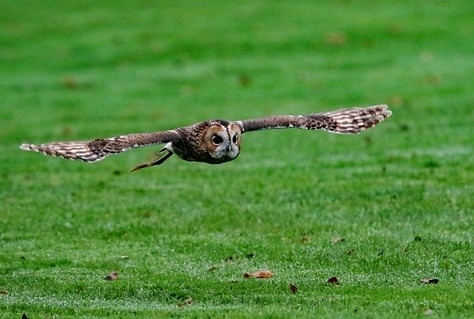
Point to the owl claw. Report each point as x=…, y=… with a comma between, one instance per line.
x=140, y=166
x=160, y=160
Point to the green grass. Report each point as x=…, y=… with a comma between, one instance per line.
x=401, y=195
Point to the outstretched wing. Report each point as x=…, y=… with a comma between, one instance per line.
x=98, y=149
x=344, y=121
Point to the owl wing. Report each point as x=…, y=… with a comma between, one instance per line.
x=98, y=149
x=344, y=121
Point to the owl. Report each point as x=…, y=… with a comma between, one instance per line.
x=212, y=141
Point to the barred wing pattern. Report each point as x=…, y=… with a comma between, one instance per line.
x=344, y=121
x=98, y=149
x=212, y=141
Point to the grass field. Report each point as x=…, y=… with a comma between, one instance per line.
x=380, y=211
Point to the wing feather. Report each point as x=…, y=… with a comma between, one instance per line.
x=344, y=121
x=98, y=149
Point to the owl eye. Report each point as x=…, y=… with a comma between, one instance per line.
x=217, y=140
x=234, y=139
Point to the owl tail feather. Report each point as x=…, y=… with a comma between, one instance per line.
x=163, y=155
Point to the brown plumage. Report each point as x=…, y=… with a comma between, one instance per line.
x=213, y=141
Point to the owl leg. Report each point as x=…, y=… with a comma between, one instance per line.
x=163, y=155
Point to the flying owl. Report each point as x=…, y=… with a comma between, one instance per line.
x=212, y=141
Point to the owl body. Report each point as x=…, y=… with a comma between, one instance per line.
x=213, y=141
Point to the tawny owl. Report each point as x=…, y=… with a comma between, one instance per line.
x=213, y=141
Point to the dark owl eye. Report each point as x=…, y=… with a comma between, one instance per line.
x=234, y=139
x=216, y=140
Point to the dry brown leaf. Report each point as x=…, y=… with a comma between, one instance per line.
x=70, y=83
x=262, y=274
x=245, y=80
x=265, y=274
x=333, y=280
x=336, y=38
x=293, y=288
x=112, y=276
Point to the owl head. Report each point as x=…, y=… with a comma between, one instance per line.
x=222, y=140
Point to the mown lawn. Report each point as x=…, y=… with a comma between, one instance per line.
x=380, y=211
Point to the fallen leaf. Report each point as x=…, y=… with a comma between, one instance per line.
x=293, y=288
x=259, y=274
x=429, y=280
x=263, y=274
x=336, y=38
x=333, y=280
x=337, y=239
x=245, y=80
x=186, y=302
x=112, y=276
x=70, y=83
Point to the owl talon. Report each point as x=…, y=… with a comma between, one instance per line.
x=160, y=160
x=140, y=166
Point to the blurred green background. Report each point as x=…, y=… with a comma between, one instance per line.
x=399, y=195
